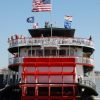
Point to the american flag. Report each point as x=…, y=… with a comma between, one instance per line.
x=41, y=5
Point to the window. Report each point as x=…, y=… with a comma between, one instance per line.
x=30, y=91
x=53, y=53
x=68, y=91
x=56, y=91
x=43, y=91
x=31, y=53
x=39, y=53
x=47, y=52
x=62, y=52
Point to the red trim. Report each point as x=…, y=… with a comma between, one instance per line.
x=48, y=64
x=87, y=65
x=48, y=73
x=48, y=97
x=49, y=60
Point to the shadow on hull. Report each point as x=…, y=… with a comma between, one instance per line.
x=12, y=92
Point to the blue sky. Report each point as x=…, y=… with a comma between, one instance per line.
x=86, y=21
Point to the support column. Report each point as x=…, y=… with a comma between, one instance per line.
x=69, y=50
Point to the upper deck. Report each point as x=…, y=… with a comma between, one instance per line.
x=50, y=42
x=50, y=37
x=47, y=32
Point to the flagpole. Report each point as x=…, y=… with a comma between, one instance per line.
x=51, y=23
x=36, y=18
x=51, y=18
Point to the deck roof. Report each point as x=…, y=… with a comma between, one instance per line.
x=46, y=32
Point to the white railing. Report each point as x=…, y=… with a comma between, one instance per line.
x=15, y=60
x=48, y=41
x=89, y=84
x=83, y=60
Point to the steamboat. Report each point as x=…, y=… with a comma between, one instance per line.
x=51, y=64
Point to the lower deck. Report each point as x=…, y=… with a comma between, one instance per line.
x=47, y=92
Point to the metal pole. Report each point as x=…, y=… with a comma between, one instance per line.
x=51, y=19
x=51, y=30
x=69, y=50
x=31, y=47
